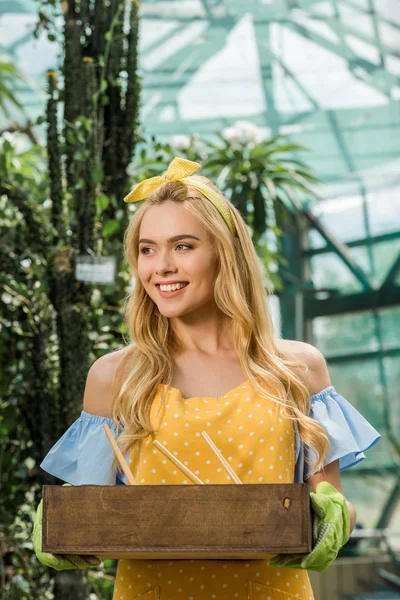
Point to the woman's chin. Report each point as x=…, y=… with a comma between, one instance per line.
x=170, y=312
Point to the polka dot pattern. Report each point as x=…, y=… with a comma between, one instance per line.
x=258, y=443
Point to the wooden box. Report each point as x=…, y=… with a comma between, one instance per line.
x=249, y=521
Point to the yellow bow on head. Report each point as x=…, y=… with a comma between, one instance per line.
x=180, y=169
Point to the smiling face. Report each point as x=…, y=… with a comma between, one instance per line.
x=164, y=258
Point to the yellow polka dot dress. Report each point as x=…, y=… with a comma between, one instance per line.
x=258, y=442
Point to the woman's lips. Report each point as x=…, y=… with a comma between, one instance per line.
x=171, y=294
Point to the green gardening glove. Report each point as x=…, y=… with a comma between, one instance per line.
x=60, y=562
x=331, y=531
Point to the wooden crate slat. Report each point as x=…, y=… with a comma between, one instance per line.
x=177, y=521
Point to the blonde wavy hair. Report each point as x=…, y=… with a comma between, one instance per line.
x=148, y=359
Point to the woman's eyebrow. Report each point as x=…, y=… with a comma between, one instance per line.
x=176, y=238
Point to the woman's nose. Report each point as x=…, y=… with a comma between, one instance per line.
x=164, y=262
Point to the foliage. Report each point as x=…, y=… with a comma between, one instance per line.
x=58, y=203
x=24, y=578
x=9, y=76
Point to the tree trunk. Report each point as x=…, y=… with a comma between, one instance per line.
x=70, y=585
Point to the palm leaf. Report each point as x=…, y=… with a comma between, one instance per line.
x=286, y=199
x=270, y=185
x=297, y=162
x=8, y=75
x=287, y=148
x=216, y=161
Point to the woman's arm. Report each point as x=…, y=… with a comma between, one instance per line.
x=331, y=474
x=316, y=379
x=97, y=398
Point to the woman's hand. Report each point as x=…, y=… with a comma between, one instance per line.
x=331, y=531
x=60, y=562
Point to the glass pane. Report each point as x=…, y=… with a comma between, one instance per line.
x=359, y=382
x=361, y=257
x=390, y=324
x=385, y=253
x=328, y=270
x=368, y=494
x=392, y=370
x=342, y=216
x=357, y=20
x=344, y=334
x=387, y=10
x=315, y=239
x=384, y=210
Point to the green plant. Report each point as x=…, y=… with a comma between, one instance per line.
x=265, y=181
x=58, y=202
x=9, y=76
x=255, y=170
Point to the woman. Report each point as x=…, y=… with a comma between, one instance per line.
x=203, y=356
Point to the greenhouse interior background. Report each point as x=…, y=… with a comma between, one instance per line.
x=326, y=75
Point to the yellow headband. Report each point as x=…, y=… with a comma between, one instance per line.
x=180, y=169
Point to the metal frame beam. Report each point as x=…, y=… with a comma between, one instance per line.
x=367, y=355
x=338, y=305
x=391, y=276
x=381, y=471
x=376, y=239
x=341, y=250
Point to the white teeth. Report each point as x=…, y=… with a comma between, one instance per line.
x=172, y=288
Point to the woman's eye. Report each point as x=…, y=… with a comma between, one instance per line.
x=179, y=245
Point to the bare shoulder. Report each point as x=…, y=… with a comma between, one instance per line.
x=97, y=398
x=316, y=376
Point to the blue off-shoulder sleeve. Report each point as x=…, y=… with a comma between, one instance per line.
x=350, y=434
x=84, y=455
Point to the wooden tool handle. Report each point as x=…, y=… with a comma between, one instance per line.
x=177, y=463
x=222, y=460
x=119, y=455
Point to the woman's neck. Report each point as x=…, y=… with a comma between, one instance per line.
x=209, y=335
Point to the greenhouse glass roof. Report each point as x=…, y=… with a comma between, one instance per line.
x=325, y=71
